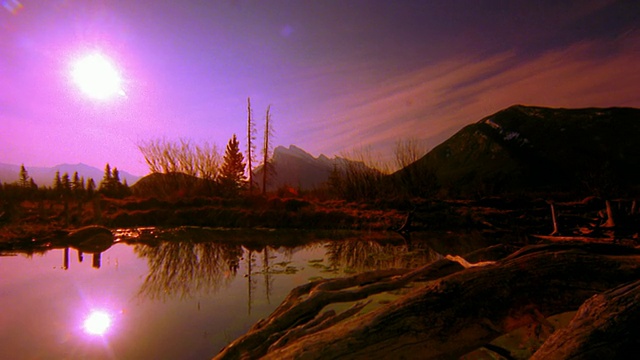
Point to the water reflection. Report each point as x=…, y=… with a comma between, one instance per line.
x=186, y=262
x=65, y=261
x=183, y=264
x=216, y=283
x=92, y=240
x=250, y=281
x=363, y=255
x=96, y=260
x=187, y=268
x=267, y=275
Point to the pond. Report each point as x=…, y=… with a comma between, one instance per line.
x=177, y=293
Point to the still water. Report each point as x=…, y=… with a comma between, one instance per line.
x=173, y=294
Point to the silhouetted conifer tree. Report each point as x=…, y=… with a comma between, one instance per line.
x=232, y=172
x=66, y=184
x=115, y=175
x=110, y=185
x=106, y=179
x=57, y=184
x=117, y=188
x=23, y=180
x=75, y=184
x=91, y=188
x=106, y=185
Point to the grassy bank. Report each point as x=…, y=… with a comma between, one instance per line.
x=37, y=219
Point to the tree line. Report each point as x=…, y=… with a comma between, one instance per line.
x=361, y=177
x=65, y=186
x=230, y=174
x=197, y=169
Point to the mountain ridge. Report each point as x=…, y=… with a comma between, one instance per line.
x=519, y=148
x=296, y=168
x=44, y=176
x=538, y=148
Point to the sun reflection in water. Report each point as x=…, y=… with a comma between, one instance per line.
x=97, y=322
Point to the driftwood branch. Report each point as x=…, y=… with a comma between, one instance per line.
x=305, y=302
x=605, y=327
x=461, y=310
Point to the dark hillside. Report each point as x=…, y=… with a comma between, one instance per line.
x=176, y=185
x=525, y=148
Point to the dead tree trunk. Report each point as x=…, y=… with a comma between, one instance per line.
x=463, y=309
x=554, y=219
x=605, y=327
x=610, y=221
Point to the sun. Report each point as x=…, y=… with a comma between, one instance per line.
x=97, y=77
x=97, y=323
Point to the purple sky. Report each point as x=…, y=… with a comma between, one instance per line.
x=338, y=74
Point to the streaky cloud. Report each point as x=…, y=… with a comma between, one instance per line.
x=437, y=100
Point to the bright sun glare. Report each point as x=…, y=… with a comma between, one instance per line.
x=97, y=77
x=97, y=323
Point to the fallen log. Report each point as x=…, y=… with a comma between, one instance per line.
x=459, y=311
x=605, y=327
x=305, y=302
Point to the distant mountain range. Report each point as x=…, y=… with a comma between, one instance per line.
x=526, y=148
x=521, y=148
x=44, y=176
x=293, y=167
x=518, y=149
x=298, y=169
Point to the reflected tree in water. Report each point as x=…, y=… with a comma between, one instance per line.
x=250, y=282
x=364, y=255
x=186, y=268
x=266, y=271
x=257, y=262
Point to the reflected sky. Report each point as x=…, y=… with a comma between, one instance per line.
x=167, y=299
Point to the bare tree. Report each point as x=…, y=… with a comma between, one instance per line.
x=183, y=156
x=408, y=151
x=266, y=150
x=207, y=161
x=152, y=152
x=413, y=178
x=251, y=136
x=362, y=174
